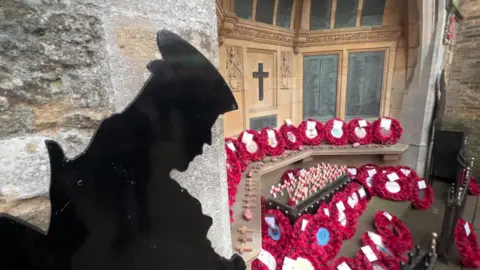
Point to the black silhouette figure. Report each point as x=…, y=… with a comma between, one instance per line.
x=115, y=206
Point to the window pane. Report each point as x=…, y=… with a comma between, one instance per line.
x=265, y=11
x=244, y=8
x=346, y=13
x=320, y=12
x=320, y=86
x=258, y=123
x=284, y=12
x=372, y=12
x=364, y=84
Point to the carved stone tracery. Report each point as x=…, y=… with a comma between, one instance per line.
x=285, y=68
x=234, y=67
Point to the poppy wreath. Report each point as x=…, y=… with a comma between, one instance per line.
x=364, y=264
x=348, y=227
x=352, y=172
x=288, y=174
x=323, y=210
x=358, y=134
x=336, y=132
x=234, y=146
x=264, y=260
x=422, y=194
x=307, y=135
x=386, y=136
x=291, y=137
x=384, y=252
x=393, y=231
x=408, y=172
x=279, y=236
x=234, y=169
x=272, y=146
x=351, y=263
x=473, y=187
x=467, y=244
x=322, y=237
x=253, y=151
x=295, y=252
x=357, y=201
x=365, y=177
x=394, y=190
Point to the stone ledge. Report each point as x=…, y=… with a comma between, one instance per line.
x=260, y=168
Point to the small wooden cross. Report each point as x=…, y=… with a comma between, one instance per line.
x=251, y=188
x=243, y=248
x=245, y=239
x=251, y=205
x=244, y=230
x=247, y=200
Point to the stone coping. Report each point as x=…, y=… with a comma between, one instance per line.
x=257, y=169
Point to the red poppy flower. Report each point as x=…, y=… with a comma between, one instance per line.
x=291, y=137
x=360, y=131
x=422, y=194
x=391, y=185
x=343, y=263
x=280, y=235
x=467, y=244
x=393, y=231
x=336, y=132
x=311, y=132
x=249, y=146
x=383, y=250
x=322, y=237
x=344, y=215
x=386, y=130
x=272, y=142
x=473, y=187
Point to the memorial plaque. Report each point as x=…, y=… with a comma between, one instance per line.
x=284, y=13
x=265, y=9
x=346, y=13
x=258, y=123
x=320, y=14
x=372, y=12
x=115, y=206
x=364, y=84
x=244, y=9
x=320, y=82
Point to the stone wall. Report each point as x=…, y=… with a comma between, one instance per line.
x=65, y=65
x=462, y=111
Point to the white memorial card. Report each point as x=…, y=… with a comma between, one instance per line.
x=422, y=185
x=231, y=146
x=386, y=123
x=362, y=123
x=367, y=250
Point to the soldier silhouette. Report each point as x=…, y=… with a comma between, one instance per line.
x=115, y=205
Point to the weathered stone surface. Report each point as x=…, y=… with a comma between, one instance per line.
x=51, y=56
x=35, y=211
x=17, y=119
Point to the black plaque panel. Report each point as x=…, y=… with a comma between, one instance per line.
x=284, y=13
x=364, y=84
x=320, y=14
x=372, y=12
x=115, y=206
x=258, y=123
x=346, y=13
x=320, y=80
x=265, y=9
x=244, y=8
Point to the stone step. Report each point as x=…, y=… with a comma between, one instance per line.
x=365, y=222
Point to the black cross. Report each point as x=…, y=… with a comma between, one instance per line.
x=260, y=74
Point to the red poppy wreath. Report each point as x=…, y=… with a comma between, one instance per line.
x=290, y=135
x=386, y=130
x=272, y=142
x=346, y=217
x=359, y=131
x=367, y=260
x=249, y=146
x=383, y=250
x=322, y=237
x=344, y=263
x=311, y=132
x=365, y=177
x=336, y=132
x=393, y=231
x=289, y=175
x=422, y=194
x=296, y=257
x=276, y=228
x=473, y=187
x=357, y=197
x=467, y=244
x=392, y=186
x=231, y=143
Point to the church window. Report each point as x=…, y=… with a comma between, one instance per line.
x=244, y=8
x=265, y=9
x=320, y=13
x=372, y=12
x=284, y=13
